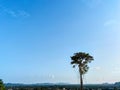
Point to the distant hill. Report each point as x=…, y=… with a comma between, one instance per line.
x=36, y=84
x=52, y=84
x=117, y=83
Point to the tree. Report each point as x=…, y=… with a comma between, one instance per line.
x=1, y=85
x=81, y=59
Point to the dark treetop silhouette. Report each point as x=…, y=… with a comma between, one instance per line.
x=81, y=59
x=1, y=85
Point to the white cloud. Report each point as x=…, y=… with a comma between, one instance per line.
x=13, y=13
x=23, y=13
x=110, y=22
x=92, y=3
x=96, y=68
x=51, y=76
x=116, y=70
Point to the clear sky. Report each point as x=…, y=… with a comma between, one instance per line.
x=37, y=38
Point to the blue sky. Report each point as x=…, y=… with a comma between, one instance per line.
x=39, y=36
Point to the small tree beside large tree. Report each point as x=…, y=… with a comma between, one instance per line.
x=81, y=59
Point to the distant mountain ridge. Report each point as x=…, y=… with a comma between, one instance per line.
x=36, y=84
x=117, y=83
x=52, y=84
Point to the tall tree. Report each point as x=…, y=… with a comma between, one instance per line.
x=81, y=59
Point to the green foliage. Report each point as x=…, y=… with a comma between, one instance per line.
x=1, y=85
x=81, y=59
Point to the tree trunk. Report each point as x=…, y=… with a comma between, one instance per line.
x=81, y=79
